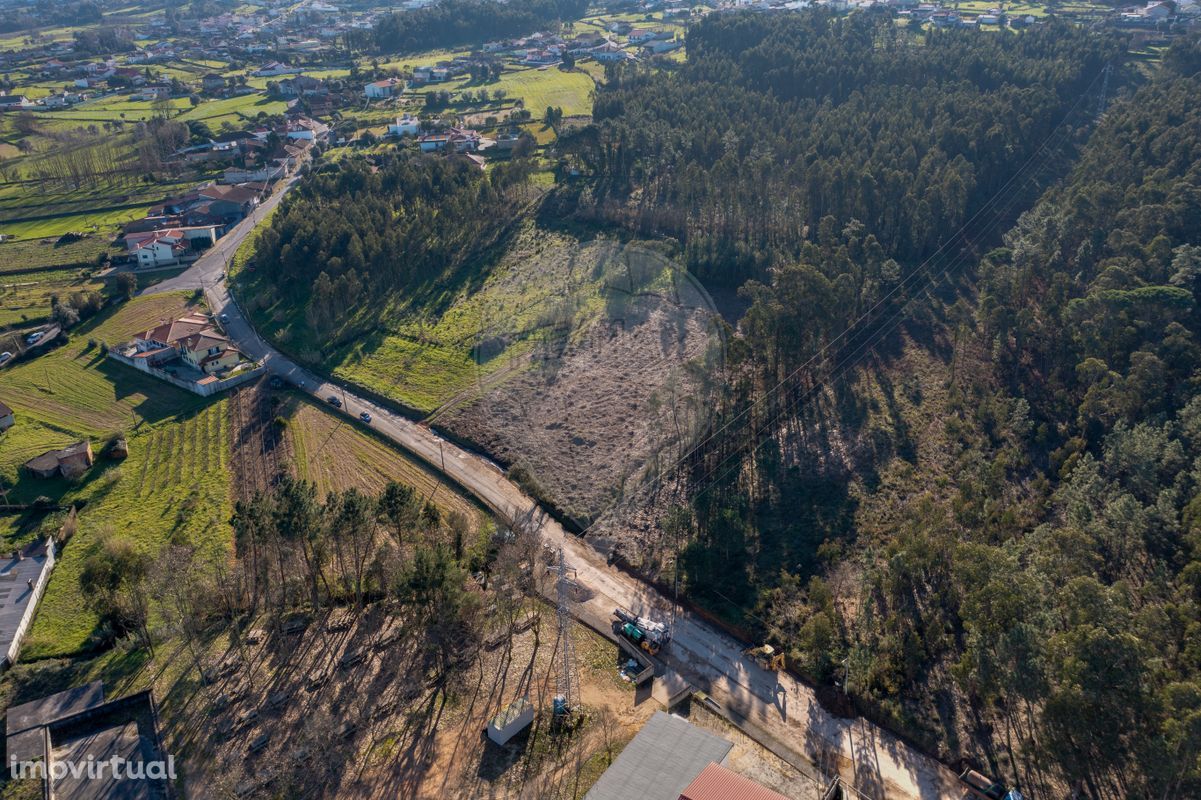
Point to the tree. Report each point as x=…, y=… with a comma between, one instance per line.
x=127, y=284
x=113, y=582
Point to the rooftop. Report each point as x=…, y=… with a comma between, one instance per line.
x=661, y=761
x=15, y=594
x=718, y=783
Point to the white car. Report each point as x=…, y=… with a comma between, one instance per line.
x=5, y=357
x=34, y=337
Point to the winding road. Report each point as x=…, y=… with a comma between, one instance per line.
x=772, y=707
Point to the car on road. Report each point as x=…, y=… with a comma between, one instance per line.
x=365, y=417
x=5, y=357
x=224, y=317
x=334, y=401
x=34, y=337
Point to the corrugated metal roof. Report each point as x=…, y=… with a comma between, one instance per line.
x=717, y=783
x=665, y=756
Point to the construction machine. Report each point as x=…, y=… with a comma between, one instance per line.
x=643, y=632
x=767, y=657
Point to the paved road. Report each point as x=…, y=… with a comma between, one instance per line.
x=869, y=758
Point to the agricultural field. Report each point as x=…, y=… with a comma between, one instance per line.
x=25, y=299
x=173, y=485
x=335, y=454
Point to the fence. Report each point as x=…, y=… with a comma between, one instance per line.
x=203, y=389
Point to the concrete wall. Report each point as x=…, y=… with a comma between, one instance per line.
x=202, y=389
x=27, y=618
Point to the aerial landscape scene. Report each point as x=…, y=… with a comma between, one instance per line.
x=600, y=399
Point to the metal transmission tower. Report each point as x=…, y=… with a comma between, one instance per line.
x=1104, y=89
x=568, y=687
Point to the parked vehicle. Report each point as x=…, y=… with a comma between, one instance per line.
x=645, y=633
x=5, y=357
x=334, y=401
x=365, y=417
x=34, y=337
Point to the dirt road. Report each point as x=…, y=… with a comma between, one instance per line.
x=872, y=760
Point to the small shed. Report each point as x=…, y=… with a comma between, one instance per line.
x=71, y=461
x=511, y=721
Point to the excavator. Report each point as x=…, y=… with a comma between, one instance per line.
x=643, y=632
x=766, y=657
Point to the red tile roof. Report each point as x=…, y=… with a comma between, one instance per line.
x=717, y=783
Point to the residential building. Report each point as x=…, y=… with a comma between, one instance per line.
x=609, y=52
x=11, y=102
x=78, y=727
x=301, y=86
x=168, y=333
x=307, y=129
x=191, y=340
x=407, y=125
x=379, y=90
x=267, y=173
x=273, y=68
x=7, y=420
x=162, y=248
x=457, y=140
x=208, y=352
x=212, y=82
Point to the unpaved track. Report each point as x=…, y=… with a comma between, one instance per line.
x=869, y=758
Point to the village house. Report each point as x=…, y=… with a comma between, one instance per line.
x=273, y=68
x=379, y=90
x=304, y=128
x=191, y=339
x=301, y=86
x=608, y=53
x=7, y=420
x=212, y=82
x=407, y=125
x=457, y=140
x=10, y=102
x=158, y=249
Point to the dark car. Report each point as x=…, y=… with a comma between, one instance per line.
x=365, y=417
x=334, y=401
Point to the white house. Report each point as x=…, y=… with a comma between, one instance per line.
x=165, y=247
x=407, y=125
x=274, y=68
x=382, y=89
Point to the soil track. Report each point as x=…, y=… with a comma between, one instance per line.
x=261, y=453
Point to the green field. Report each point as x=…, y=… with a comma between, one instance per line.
x=536, y=88
x=422, y=349
x=173, y=486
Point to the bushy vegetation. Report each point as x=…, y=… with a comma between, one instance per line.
x=449, y=23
